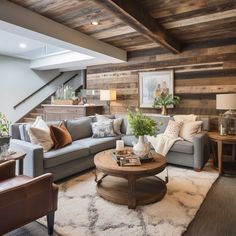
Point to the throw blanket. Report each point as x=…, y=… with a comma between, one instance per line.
x=162, y=143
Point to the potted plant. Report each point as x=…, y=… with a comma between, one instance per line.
x=141, y=125
x=4, y=130
x=165, y=100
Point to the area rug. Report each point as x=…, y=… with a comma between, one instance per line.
x=81, y=212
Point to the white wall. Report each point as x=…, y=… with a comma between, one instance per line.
x=17, y=81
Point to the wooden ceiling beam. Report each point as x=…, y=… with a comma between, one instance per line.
x=38, y=27
x=139, y=19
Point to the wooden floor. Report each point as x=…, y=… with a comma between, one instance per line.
x=216, y=216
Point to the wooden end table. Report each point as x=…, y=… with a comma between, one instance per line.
x=19, y=155
x=135, y=185
x=220, y=140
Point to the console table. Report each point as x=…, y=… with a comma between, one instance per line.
x=69, y=112
x=220, y=140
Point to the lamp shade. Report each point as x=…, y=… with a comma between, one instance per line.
x=107, y=95
x=226, y=101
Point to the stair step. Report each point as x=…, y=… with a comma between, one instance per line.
x=38, y=110
x=35, y=114
x=28, y=120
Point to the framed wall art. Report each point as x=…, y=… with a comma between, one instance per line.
x=153, y=84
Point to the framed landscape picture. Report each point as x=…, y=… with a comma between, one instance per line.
x=152, y=84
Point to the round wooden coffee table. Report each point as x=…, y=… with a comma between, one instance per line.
x=135, y=185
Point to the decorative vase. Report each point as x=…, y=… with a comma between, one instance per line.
x=141, y=148
x=164, y=111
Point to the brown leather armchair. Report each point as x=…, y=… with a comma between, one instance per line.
x=24, y=199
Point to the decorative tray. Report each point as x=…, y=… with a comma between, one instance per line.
x=128, y=158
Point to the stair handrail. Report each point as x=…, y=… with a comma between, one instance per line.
x=72, y=77
x=38, y=90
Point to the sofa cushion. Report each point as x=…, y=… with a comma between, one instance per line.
x=162, y=122
x=80, y=128
x=182, y=146
x=179, y=146
x=65, y=154
x=24, y=133
x=129, y=139
x=96, y=145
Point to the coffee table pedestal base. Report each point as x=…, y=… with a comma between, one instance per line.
x=132, y=192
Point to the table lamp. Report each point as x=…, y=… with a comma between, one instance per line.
x=108, y=96
x=226, y=102
x=226, y=120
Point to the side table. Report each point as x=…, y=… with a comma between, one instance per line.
x=18, y=156
x=220, y=140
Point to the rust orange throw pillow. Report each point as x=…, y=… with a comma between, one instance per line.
x=60, y=136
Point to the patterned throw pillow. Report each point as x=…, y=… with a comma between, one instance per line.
x=173, y=128
x=116, y=122
x=103, y=129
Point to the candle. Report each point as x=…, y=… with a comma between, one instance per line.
x=120, y=145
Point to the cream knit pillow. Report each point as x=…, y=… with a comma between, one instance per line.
x=185, y=118
x=189, y=129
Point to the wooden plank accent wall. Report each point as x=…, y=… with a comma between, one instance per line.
x=200, y=73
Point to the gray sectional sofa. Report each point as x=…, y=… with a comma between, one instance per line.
x=79, y=155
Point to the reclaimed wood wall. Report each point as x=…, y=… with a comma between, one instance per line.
x=200, y=72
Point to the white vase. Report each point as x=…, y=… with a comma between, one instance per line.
x=141, y=148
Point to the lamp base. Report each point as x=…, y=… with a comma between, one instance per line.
x=230, y=112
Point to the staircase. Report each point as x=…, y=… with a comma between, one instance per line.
x=38, y=110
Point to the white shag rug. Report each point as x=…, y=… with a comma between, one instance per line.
x=81, y=212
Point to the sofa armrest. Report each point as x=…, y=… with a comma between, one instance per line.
x=7, y=170
x=33, y=162
x=201, y=150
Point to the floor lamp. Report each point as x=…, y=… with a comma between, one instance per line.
x=108, y=96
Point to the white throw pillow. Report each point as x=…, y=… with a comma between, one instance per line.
x=39, y=134
x=185, y=118
x=189, y=129
x=173, y=128
x=40, y=137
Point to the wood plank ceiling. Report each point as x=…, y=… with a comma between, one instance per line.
x=189, y=21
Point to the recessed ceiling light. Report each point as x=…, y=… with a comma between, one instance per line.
x=94, y=22
x=22, y=45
